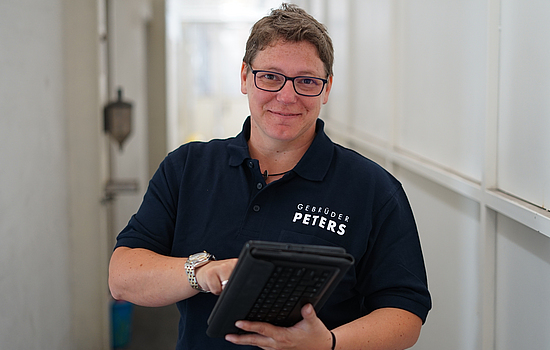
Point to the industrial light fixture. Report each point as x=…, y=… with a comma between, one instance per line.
x=118, y=119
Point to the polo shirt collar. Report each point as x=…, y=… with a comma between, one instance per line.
x=314, y=164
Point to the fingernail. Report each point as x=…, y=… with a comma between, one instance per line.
x=239, y=324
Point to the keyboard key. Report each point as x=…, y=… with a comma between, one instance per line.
x=285, y=287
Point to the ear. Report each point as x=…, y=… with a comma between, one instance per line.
x=244, y=77
x=328, y=87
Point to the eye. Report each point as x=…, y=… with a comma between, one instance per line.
x=309, y=81
x=270, y=76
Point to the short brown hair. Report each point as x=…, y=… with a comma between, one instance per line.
x=293, y=24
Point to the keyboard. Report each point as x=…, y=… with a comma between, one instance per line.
x=285, y=287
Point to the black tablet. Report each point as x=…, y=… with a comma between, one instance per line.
x=272, y=281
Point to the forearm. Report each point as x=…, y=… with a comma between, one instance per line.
x=146, y=278
x=382, y=329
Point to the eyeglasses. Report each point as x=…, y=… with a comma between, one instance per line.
x=303, y=85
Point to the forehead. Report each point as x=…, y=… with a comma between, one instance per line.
x=290, y=57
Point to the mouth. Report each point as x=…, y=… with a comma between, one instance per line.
x=284, y=114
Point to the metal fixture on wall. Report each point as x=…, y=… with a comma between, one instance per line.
x=118, y=124
x=118, y=119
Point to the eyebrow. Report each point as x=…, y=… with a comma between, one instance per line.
x=300, y=74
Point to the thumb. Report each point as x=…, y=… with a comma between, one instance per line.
x=308, y=312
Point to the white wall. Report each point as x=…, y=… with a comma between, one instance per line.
x=34, y=229
x=523, y=282
x=128, y=70
x=53, y=252
x=84, y=96
x=452, y=97
x=524, y=122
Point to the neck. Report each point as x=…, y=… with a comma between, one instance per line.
x=278, y=156
x=277, y=159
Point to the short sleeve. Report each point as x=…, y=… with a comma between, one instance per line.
x=152, y=227
x=392, y=272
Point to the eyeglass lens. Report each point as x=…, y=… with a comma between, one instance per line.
x=270, y=81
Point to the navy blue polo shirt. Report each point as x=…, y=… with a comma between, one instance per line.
x=212, y=196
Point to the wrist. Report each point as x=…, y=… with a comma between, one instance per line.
x=192, y=264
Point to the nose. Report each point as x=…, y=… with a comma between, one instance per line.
x=287, y=94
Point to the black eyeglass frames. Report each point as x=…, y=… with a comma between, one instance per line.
x=303, y=85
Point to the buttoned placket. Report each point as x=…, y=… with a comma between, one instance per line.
x=261, y=192
x=259, y=183
x=254, y=218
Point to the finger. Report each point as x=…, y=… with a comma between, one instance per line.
x=264, y=329
x=211, y=275
x=223, y=277
x=308, y=312
x=204, y=278
x=250, y=339
x=217, y=286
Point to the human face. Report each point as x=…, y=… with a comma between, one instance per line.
x=284, y=116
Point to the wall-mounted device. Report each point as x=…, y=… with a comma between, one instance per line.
x=118, y=124
x=118, y=119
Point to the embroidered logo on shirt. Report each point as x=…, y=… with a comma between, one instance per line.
x=322, y=217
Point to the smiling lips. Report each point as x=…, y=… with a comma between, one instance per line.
x=285, y=114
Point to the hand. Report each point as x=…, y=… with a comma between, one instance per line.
x=308, y=334
x=211, y=275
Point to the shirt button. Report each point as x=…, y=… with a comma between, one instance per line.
x=259, y=185
x=256, y=208
x=251, y=164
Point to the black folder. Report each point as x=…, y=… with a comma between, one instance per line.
x=272, y=281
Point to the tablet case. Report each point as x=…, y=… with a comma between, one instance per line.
x=272, y=281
